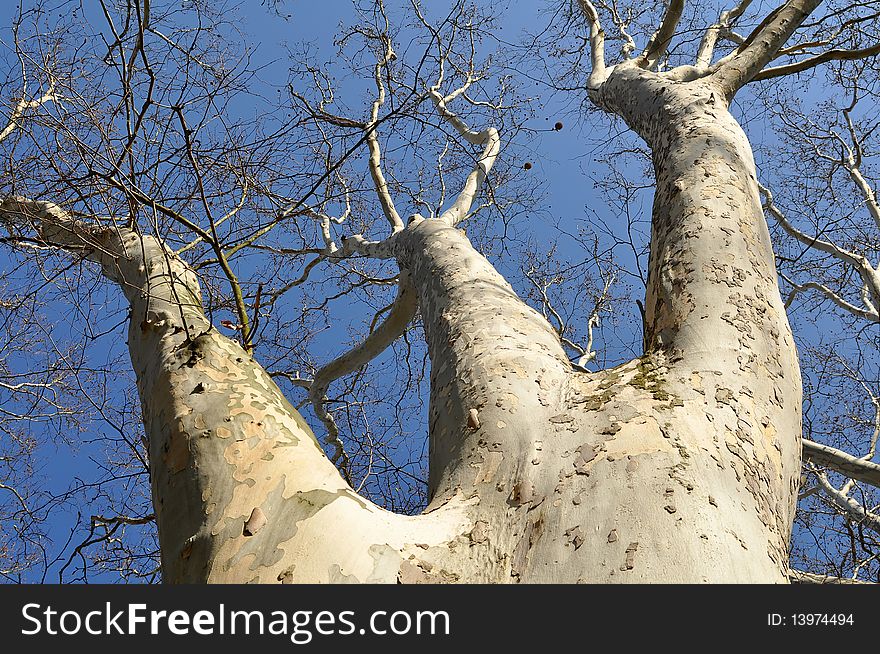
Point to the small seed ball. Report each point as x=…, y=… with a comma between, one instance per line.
x=527, y=165
x=557, y=126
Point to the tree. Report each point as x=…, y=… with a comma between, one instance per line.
x=681, y=465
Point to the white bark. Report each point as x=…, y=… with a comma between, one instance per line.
x=715, y=325
x=22, y=106
x=857, y=468
x=401, y=314
x=657, y=470
x=719, y=29
x=798, y=577
x=850, y=506
x=760, y=48
x=598, y=73
x=659, y=41
x=224, y=444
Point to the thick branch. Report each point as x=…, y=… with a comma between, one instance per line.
x=491, y=143
x=660, y=40
x=852, y=164
x=710, y=38
x=159, y=285
x=373, y=141
x=842, y=462
x=812, y=62
x=598, y=73
x=762, y=45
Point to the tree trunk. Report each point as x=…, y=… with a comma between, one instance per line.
x=679, y=466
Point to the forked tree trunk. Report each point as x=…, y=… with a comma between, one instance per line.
x=679, y=466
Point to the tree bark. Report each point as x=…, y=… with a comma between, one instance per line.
x=680, y=466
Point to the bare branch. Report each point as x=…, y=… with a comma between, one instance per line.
x=852, y=163
x=401, y=314
x=122, y=519
x=629, y=44
x=761, y=46
x=18, y=496
x=866, y=314
x=240, y=307
x=598, y=73
x=800, y=577
x=155, y=281
x=842, y=462
x=660, y=40
x=848, y=505
x=379, y=181
x=23, y=105
x=719, y=29
x=870, y=276
x=812, y=62
x=491, y=142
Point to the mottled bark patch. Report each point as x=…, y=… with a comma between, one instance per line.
x=480, y=532
x=575, y=537
x=255, y=522
x=414, y=571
